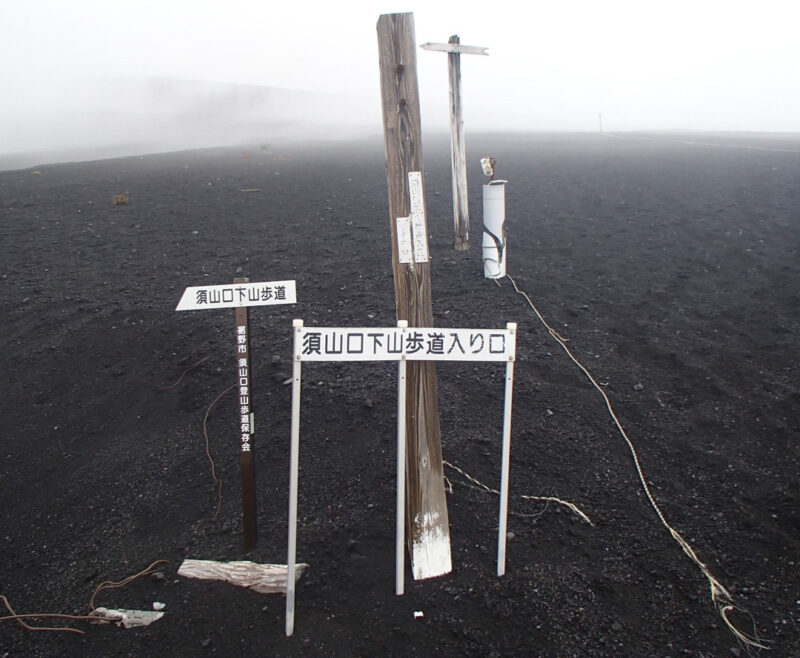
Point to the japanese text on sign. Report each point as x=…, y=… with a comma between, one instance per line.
x=243, y=371
x=412, y=343
x=237, y=295
x=418, y=225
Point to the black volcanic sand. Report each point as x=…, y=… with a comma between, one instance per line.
x=670, y=263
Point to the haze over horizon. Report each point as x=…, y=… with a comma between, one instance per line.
x=90, y=73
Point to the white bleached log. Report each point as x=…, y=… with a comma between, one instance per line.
x=262, y=578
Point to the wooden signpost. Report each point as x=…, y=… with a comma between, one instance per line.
x=429, y=531
x=408, y=346
x=239, y=296
x=454, y=49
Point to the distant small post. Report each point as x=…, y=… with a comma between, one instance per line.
x=453, y=48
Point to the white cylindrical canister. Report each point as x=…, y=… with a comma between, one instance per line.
x=494, y=234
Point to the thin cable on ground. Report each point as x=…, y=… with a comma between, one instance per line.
x=217, y=481
x=20, y=619
x=191, y=366
x=720, y=596
x=548, y=499
x=110, y=584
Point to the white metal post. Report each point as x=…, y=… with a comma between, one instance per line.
x=293, y=476
x=400, y=533
x=503, y=520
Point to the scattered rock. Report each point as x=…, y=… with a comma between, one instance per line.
x=638, y=387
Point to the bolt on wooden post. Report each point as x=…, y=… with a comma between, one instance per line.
x=426, y=504
x=458, y=149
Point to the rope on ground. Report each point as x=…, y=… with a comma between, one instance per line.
x=720, y=596
x=217, y=481
x=191, y=366
x=20, y=618
x=547, y=499
x=110, y=584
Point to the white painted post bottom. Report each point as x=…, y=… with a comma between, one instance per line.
x=494, y=235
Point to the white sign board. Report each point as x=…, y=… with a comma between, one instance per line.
x=233, y=295
x=404, y=240
x=455, y=48
x=419, y=227
x=401, y=344
x=411, y=344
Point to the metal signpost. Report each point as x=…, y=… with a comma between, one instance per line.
x=239, y=296
x=401, y=344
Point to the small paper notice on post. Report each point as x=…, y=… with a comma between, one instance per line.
x=404, y=240
x=419, y=227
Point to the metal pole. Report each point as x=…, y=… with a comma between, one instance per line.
x=293, y=476
x=503, y=521
x=400, y=533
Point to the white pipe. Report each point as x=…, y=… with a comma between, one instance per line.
x=400, y=533
x=293, y=476
x=503, y=520
x=494, y=236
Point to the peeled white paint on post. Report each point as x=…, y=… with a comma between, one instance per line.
x=404, y=248
x=434, y=544
x=419, y=228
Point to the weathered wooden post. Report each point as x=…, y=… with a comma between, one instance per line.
x=245, y=399
x=426, y=512
x=458, y=150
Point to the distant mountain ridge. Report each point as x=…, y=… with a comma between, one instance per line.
x=127, y=117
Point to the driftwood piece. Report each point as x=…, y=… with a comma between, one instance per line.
x=262, y=578
x=126, y=618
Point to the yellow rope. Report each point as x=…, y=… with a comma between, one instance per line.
x=547, y=499
x=720, y=596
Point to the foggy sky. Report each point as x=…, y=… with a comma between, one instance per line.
x=683, y=65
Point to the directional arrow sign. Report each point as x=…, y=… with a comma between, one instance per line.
x=455, y=48
x=235, y=295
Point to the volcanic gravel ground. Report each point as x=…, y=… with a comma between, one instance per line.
x=670, y=263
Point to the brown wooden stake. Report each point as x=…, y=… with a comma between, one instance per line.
x=426, y=505
x=245, y=424
x=458, y=151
